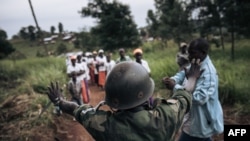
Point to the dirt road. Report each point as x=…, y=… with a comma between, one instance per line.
x=69, y=130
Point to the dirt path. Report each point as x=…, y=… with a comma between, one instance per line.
x=71, y=130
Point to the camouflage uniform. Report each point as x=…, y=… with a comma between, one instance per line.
x=143, y=123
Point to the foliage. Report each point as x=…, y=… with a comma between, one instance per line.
x=62, y=48
x=116, y=27
x=87, y=40
x=6, y=48
x=16, y=55
x=153, y=23
x=60, y=28
x=32, y=35
x=52, y=30
x=170, y=21
x=220, y=14
x=3, y=35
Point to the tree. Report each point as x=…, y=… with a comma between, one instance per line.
x=60, y=28
x=210, y=18
x=233, y=14
x=87, y=40
x=116, y=27
x=6, y=47
x=34, y=16
x=52, y=30
x=153, y=23
x=23, y=33
x=143, y=33
x=3, y=35
x=170, y=20
x=229, y=14
x=37, y=26
x=32, y=34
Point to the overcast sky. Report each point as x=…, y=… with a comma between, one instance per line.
x=15, y=14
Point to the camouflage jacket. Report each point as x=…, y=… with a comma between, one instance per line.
x=158, y=123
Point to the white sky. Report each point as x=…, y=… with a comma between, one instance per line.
x=15, y=14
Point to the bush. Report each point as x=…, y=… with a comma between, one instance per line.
x=62, y=48
x=6, y=48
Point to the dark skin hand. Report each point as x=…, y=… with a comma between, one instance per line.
x=55, y=95
x=193, y=73
x=195, y=64
x=169, y=83
x=74, y=74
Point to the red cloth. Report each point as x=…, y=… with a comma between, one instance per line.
x=102, y=78
x=85, y=91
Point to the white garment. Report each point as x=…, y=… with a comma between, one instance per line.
x=85, y=68
x=76, y=69
x=144, y=63
x=110, y=65
x=103, y=61
x=94, y=62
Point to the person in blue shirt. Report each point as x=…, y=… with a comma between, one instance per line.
x=205, y=117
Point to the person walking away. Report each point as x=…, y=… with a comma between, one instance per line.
x=75, y=73
x=86, y=60
x=138, y=54
x=122, y=56
x=128, y=89
x=101, y=64
x=93, y=69
x=85, y=91
x=205, y=118
x=110, y=63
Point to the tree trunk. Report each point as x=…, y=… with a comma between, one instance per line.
x=221, y=38
x=232, y=48
x=37, y=26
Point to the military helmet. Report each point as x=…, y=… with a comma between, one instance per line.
x=128, y=85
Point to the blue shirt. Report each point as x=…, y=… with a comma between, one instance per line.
x=206, y=116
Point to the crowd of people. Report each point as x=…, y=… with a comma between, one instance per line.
x=194, y=110
x=92, y=68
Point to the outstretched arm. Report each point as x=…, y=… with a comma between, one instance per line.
x=67, y=106
x=55, y=95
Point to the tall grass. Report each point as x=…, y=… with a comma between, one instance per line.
x=32, y=75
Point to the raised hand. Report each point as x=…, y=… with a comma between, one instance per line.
x=54, y=93
x=194, y=72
